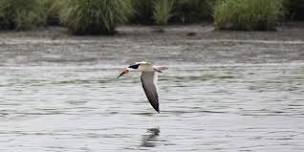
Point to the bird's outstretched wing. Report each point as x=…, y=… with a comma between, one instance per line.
x=149, y=80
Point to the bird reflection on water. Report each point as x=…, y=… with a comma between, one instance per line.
x=149, y=139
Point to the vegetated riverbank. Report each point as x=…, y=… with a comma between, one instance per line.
x=192, y=43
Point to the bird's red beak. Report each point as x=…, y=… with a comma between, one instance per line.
x=125, y=71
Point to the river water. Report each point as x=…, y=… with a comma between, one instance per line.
x=209, y=100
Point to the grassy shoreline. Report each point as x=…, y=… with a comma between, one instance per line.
x=287, y=31
x=101, y=17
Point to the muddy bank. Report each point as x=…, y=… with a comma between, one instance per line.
x=191, y=44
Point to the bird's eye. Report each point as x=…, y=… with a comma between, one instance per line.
x=135, y=66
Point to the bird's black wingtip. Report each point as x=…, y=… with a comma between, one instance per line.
x=156, y=108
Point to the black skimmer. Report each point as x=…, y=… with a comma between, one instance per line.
x=148, y=79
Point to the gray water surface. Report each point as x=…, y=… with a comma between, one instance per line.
x=213, y=98
x=248, y=107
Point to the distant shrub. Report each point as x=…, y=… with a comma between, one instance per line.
x=21, y=14
x=248, y=14
x=94, y=17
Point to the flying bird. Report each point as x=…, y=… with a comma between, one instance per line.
x=148, y=79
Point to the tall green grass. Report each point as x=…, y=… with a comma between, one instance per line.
x=163, y=11
x=94, y=17
x=248, y=14
x=102, y=16
x=21, y=14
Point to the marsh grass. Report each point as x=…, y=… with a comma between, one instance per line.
x=248, y=14
x=21, y=14
x=94, y=17
x=163, y=11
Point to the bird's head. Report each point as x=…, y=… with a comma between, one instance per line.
x=128, y=69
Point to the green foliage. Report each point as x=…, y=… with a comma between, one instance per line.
x=163, y=11
x=248, y=14
x=21, y=14
x=94, y=17
x=102, y=16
